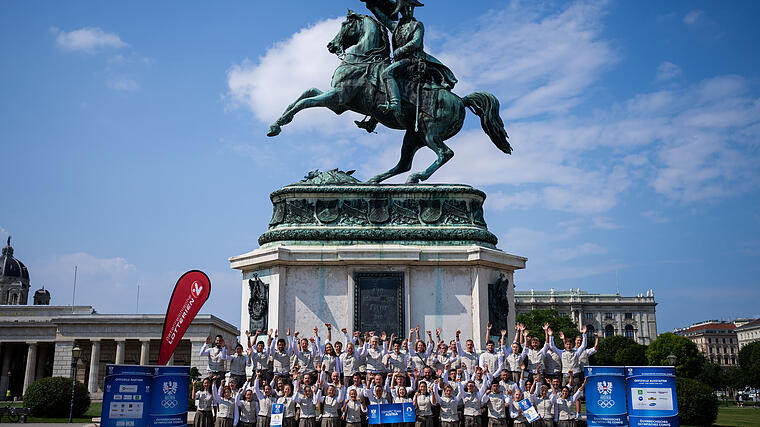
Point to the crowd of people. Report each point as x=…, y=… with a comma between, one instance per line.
x=450, y=384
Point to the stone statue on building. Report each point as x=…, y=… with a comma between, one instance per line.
x=409, y=90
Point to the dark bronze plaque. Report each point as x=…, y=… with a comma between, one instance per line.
x=498, y=304
x=379, y=302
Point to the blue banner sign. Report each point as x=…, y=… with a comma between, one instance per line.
x=652, y=398
x=391, y=413
x=169, y=396
x=606, y=396
x=138, y=396
x=528, y=410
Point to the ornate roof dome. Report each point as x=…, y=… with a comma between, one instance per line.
x=41, y=297
x=10, y=267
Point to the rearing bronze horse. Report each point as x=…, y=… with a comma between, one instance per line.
x=433, y=115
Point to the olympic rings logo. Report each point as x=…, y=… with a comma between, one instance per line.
x=169, y=403
x=606, y=404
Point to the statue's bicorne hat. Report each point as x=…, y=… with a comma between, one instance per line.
x=401, y=3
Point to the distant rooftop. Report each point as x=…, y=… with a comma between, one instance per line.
x=575, y=293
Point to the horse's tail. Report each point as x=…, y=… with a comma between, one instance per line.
x=486, y=106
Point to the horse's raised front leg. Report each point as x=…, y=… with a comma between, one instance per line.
x=412, y=143
x=443, y=152
x=311, y=98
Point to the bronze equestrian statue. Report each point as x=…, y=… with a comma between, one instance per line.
x=411, y=91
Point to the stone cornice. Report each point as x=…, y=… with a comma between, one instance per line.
x=376, y=255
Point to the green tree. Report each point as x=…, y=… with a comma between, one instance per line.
x=697, y=405
x=735, y=378
x=535, y=320
x=749, y=360
x=620, y=351
x=713, y=375
x=689, y=360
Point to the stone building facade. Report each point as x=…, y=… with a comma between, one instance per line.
x=14, y=278
x=609, y=314
x=748, y=332
x=716, y=340
x=37, y=340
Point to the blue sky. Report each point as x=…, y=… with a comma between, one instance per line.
x=132, y=141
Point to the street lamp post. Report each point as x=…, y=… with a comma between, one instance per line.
x=76, y=353
x=672, y=358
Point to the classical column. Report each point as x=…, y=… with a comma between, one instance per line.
x=144, y=352
x=4, y=380
x=92, y=385
x=31, y=365
x=120, y=347
x=43, y=352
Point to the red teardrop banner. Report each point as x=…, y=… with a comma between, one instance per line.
x=190, y=292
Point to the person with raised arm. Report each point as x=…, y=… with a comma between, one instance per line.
x=265, y=399
x=514, y=357
x=544, y=402
x=238, y=363
x=281, y=350
x=204, y=417
x=419, y=352
x=584, y=362
x=216, y=355
x=326, y=352
x=396, y=361
x=564, y=415
x=353, y=409
x=375, y=353
x=534, y=352
x=225, y=415
x=570, y=357
x=472, y=399
x=496, y=404
x=489, y=356
x=515, y=411
x=332, y=404
x=259, y=356
x=423, y=403
x=246, y=407
x=288, y=404
x=350, y=359
x=467, y=355
x=306, y=352
x=307, y=401
x=448, y=402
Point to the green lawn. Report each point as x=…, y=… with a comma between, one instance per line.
x=733, y=416
x=92, y=411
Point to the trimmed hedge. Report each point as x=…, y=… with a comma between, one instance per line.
x=51, y=398
x=697, y=405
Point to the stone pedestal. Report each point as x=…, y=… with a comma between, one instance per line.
x=369, y=257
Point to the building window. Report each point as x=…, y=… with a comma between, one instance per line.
x=724, y=340
x=590, y=334
x=608, y=316
x=629, y=316
x=609, y=331
x=708, y=340
x=629, y=331
x=589, y=316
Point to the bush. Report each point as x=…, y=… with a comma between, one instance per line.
x=51, y=398
x=697, y=405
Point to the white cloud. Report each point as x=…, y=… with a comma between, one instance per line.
x=692, y=17
x=290, y=67
x=668, y=70
x=123, y=83
x=604, y=223
x=582, y=250
x=3, y=233
x=655, y=217
x=536, y=62
x=88, y=40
